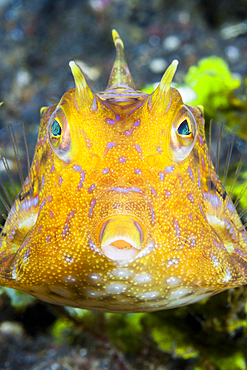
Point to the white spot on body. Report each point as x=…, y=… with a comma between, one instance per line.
x=172, y=261
x=179, y=293
x=215, y=260
x=228, y=275
x=94, y=293
x=121, y=273
x=149, y=295
x=69, y=279
x=60, y=291
x=95, y=277
x=142, y=278
x=115, y=288
x=173, y=280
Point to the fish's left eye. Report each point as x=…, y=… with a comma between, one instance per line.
x=183, y=134
x=59, y=135
x=184, y=128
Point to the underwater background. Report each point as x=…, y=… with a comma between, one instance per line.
x=38, y=39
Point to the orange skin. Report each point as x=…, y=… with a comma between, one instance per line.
x=120, y=154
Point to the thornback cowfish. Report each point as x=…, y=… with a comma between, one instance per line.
x=122, y=209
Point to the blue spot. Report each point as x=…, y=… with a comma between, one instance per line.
x=48, y=238
x=136, y=123
x=117, y=117
x=159, y=149
x=153, y=191
x=138, y=148
x=190, y=173
x=42, y=204
x=168, y=194
x=122, y=160
x=60, y=180
x=138, y=172
x=150, y=104
x=110, y=121
x=40, y=228
x=91, y=208
x=105, y=170
x=169, y=169
x=52, y=167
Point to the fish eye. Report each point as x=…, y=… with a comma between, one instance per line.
x=56, y=129
x=184, y=128
x=59, y=135
x=183, y=134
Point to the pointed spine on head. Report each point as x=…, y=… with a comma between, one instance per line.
x=161, y=96
x=120, y=73
x=83, y=94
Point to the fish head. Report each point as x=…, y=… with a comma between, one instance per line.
x=121, y=216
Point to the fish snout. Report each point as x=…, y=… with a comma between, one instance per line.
x=121, y=238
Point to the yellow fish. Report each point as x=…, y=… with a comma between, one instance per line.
x=122, y=209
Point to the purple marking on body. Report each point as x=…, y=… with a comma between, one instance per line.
x=190, y=173
x=42, y=182
x=110, y=121
x=122, y=159
x=152, y=212
x=150, y=104
x=202, y=212
x=91, y=188
x=91, y=208
x=27, y=253
x=159, y=149
x=230, y=206
x=203, y=162
x=42, y=204
x=169, y=169
x=192, y=238
x=137, y=123
x=129, y=132
x=77, y=168
x=66, y=227
x=105, y=170
x=138, y=172
x=110, y=145
x=201, y=140
x=117, y=117
x=168, y=106
x=191, y=198
x=199, y=178
x=126, y=190
x=48, y=238
x=138, y=148
x=94, y=105
x=161, y=175
x=168, y=193
x=60, y=180
x=153, y=191
x=36, y=201
x=52, y=167
x=81, y=180
x=177, y=228
x=51, y=214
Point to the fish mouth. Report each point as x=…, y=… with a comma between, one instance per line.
x=121, y=238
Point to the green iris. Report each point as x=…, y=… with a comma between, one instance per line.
x=184, y=128
x=56, y=129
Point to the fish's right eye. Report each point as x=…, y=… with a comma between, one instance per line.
x=59, y=135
